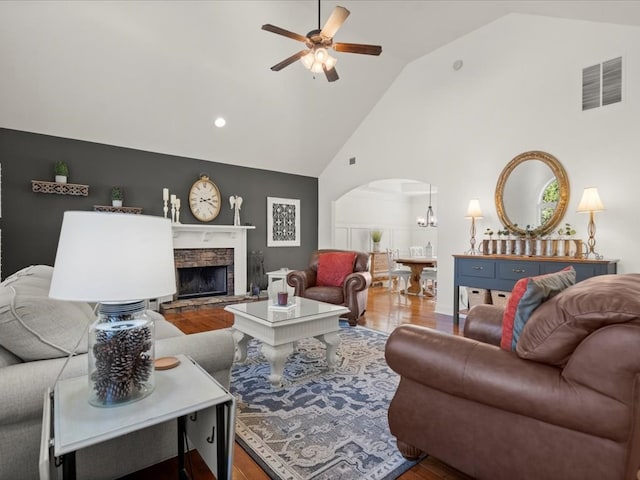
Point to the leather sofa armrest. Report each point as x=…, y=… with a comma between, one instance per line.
x=357, y=282
x=488, y=375
x=484, y=323
x=300, y=280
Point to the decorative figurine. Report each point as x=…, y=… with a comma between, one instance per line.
x=236, y=202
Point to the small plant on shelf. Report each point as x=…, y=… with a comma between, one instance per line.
x=117, y=195
x=489, y=233
x=567, y=230
x=61, y=172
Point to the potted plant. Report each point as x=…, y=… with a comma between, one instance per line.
x=116, y=196
x=376, y=236
x=61, y=171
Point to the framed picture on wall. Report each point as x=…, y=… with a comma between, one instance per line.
x=283, y=222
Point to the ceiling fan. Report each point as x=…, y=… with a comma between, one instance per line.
x=316, y=56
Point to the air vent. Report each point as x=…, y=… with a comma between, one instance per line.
x=602, y=84
x=612, y=81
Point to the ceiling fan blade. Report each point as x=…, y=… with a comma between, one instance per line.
x=334, y=22
x=331, y=74
x=281, y=31
x=279, y=66
x=358, y=48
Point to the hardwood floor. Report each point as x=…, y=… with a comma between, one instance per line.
x=385, y=311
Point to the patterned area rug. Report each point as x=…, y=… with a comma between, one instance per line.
x=321, y=425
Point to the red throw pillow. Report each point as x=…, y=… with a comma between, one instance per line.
x=333, y=268
x=527, y=295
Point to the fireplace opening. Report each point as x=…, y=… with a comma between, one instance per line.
x=202, y=281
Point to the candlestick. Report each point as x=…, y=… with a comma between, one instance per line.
x=165, y=208
x=173, y=209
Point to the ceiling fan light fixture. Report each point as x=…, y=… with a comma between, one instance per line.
x=321, y=54
x=307, y=60
x=316, y=67
x=331, y=62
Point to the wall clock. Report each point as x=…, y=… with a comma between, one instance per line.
x=204, y=199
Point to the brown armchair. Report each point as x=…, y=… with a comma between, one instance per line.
x=352, y=294
x=564, y=405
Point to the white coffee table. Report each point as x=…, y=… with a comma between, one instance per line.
x=278, y=329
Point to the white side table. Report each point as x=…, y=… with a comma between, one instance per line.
x=278, y=280
x=205, y=411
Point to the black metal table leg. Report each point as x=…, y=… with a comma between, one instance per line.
x=182, y=431
x=69, y=466
x=222, y=442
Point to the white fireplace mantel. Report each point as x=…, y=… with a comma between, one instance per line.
x=217, y=236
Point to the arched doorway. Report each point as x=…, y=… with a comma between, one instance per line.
x=389, y=205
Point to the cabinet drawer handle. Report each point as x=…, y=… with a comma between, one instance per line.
x=477, y=268
x=518, y=270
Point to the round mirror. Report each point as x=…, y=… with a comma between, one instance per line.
x=532, y=194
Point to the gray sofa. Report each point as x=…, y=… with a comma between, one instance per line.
x=36, y=333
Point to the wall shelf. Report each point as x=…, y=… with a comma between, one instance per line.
x=41, y=186
x=108, y=208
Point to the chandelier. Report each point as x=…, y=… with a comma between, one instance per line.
x=430, y=220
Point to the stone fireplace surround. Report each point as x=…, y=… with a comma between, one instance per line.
x=222, y=244
x=187, y=258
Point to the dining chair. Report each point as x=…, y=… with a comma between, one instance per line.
x=429, y=274
x=416, y=251
x=396, y=271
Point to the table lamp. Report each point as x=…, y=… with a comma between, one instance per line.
x=473, y=212
x=119, y=261
x=591, y=203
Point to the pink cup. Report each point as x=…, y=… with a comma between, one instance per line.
x=283, y=298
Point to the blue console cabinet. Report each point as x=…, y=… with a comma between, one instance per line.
x=501, y=272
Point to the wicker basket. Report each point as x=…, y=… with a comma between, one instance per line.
x=478, y=296
x=500, y=298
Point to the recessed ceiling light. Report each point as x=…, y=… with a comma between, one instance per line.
x=220, y=122
x=457, y=65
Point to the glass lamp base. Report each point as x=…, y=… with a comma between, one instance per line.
x=121, y=355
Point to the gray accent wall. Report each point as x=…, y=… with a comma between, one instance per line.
x=31, y=222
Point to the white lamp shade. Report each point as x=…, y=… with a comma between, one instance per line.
x=307, y=60
x=590, y=201
x=473, y=211
x=113, y=257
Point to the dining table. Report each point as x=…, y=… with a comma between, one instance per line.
x=417, y=264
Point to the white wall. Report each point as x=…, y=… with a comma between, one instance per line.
x=359, y=211
x=519, y=90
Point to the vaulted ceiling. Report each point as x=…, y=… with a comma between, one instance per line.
x=154, y=75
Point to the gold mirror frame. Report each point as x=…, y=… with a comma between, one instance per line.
x=563, y=191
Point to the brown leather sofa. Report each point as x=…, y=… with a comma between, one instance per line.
x=563, y=406
x=353, y=294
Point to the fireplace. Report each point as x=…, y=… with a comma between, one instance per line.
x=213, y=245
x=202, y=272
x=206, y=281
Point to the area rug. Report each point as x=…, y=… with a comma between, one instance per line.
x=321, y=424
